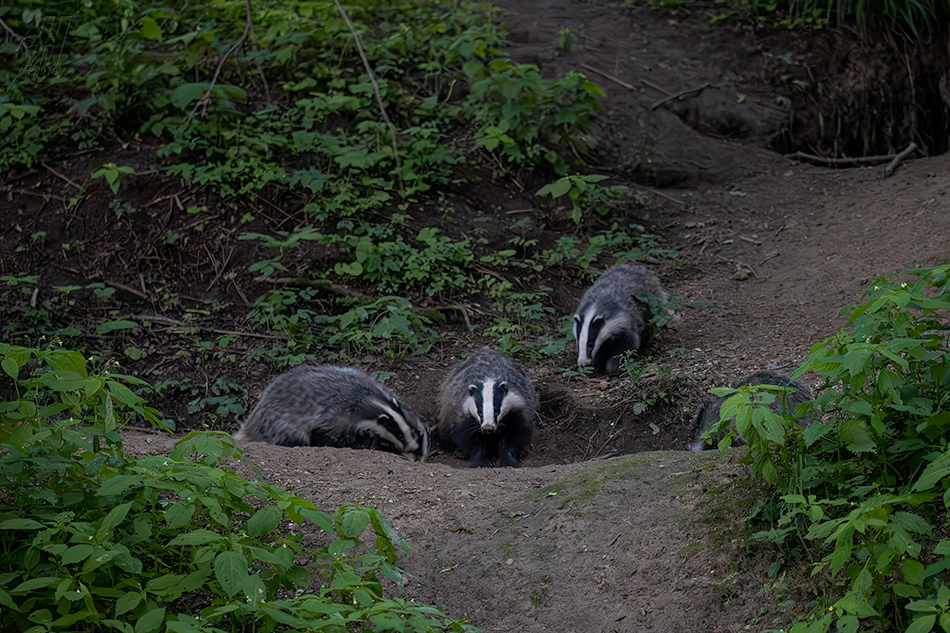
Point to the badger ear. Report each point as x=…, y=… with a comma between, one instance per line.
x=598, y=319
x=382, y=417
x=504, y=387
x=472, y=389
x=577, y=318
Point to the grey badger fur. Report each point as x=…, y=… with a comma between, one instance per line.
x=326, y=405
x=487, y=410
x=611, y=320
x=708, y=415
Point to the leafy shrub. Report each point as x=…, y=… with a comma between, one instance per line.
x=93, y=539
x=866, y=487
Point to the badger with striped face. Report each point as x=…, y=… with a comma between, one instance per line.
x=709, y=415
x=327, y=405
x=611, y=320
x=487, y=410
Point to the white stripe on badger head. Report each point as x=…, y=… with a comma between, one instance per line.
x=469, y=406
x=489, y=420
x=407, y=443
x=610, y=327
x=583, y=358
x=511, y=402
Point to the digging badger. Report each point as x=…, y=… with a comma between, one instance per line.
x=487, y=410
x=612, y=316
x=335, y=406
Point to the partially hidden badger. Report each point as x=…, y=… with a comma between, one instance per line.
x=487, y=410
x=326, y=405
x=708, y=415
x=613, y=314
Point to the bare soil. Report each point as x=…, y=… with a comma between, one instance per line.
x=611, y=525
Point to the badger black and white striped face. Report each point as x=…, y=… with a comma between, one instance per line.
x=490, y=402
x=400, y=429
x=598, y=334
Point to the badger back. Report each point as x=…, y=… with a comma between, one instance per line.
x=709, y=414
x=612, y=315
x=335, y=406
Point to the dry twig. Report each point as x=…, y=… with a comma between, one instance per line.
x=206, y=97
x=678, y=95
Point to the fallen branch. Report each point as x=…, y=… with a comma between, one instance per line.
x=62, y=177
x=850, y=162
x=322, y=284
x=678, y=95
x=608, y=76
x=11, y=32
x=176, y=323
x=897, y=159
x=206, y=97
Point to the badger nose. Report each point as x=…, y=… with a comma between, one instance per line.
x=489, y=427
x=583, y=360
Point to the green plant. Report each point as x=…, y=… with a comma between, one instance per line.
x=865, y=486
x=92, y=538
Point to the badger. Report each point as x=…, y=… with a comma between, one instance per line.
x=613, y=314
x=487, y=410
x=708, y=415
x=325, y=405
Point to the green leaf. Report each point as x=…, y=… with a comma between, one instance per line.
x=264, y=521
x=556, y=189
x=185, y=94
x=855, y=605
x=230, y=569
x=354, y=523
x=127, y=602
x=10, y=367
x=151, y=621
x=150, y=29
x=115, y=517
x=913, y=571
x=78, y=553
x=923, y=624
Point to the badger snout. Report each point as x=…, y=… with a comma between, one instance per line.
x=489, y=427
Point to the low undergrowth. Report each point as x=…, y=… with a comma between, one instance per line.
x=92, y=539
x=863, y=489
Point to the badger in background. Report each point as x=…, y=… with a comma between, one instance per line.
x=487, y=410
x=613, y=315
x=327, y=405
x=708, y=415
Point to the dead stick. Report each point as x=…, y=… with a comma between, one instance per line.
x=322, y=284
x=206, y=98
x=897, y=159
x=176, y=323
x=372, y=80
x=861, y=160
x=620, y=82
x=678, y=95
x=61, y=177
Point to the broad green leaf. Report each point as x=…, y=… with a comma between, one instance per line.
x=913, y=571
x=151, y=621
x=77, y=553
x=185, y=94
x=856, y=605
x=923, y=624
x=556, y=189
x=150, y=29
x=354, y=523
x=115, y=517
x=230, y=569
x=264, y=521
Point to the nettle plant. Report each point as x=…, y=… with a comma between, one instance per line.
x=865, y=489
x=94, y=539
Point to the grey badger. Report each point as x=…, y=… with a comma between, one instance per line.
x=326, y=405
x=487, y=410
x=612, y=316
x=708, y=415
